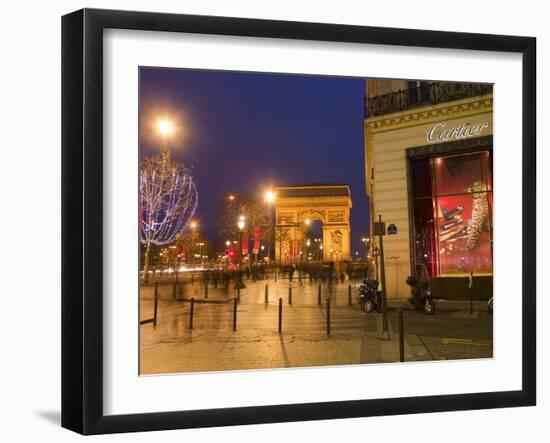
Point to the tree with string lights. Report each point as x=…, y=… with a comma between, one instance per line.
x=168, y=200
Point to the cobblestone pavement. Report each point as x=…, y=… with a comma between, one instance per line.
x=212, y=345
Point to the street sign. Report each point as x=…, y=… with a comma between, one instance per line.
x=392, y=229
x=379, y=228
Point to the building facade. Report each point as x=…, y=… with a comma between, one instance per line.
x=428, y=162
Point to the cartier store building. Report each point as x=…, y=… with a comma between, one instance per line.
x=428, y=164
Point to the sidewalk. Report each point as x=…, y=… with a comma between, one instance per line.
x=442, y=304
x=355, y=337
x=212, y=345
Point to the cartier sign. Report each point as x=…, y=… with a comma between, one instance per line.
x=440, y=132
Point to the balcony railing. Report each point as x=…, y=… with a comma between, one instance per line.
x=425, y=94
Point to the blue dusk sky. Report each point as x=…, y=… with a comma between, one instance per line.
x=251, y=131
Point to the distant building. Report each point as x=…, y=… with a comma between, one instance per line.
x=428, y=161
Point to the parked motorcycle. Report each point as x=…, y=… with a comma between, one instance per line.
x=421, y=294
x=369, y=297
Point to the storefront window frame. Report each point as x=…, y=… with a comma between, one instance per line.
x=443, y=150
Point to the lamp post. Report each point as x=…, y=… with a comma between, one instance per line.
x=269, y=198
x=366, y=242
x=307, y=222
x=200, y=245
x=193, y=225
x=241, y=225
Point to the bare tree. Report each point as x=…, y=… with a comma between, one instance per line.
x=282, y=234
x=257, y=213
x=168, y=200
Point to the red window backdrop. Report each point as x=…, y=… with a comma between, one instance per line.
x=452, y=207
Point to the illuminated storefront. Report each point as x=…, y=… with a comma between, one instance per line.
x=429, y=150
x=451, y=200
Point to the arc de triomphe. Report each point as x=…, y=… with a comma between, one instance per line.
x=296, y=206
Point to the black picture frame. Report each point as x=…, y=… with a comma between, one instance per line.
x=82, y=218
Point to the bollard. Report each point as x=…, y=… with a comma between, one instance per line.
x=234, y=314
x=401, y=337
x=319, y=295
x=206, y=290
x=349, y=295
x=191, y=312
x=471, y=287
x=174, y=290
x=238, y=294
x=290, y=295
x=328, y=316
x=266, y=294
x=155, y=308
x=280, y=315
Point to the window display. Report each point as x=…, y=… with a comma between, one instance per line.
x=452, y=206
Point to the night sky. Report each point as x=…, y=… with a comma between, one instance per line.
x=251, y=131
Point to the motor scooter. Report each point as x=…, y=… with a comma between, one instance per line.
x=421, y=294
x=369, y=297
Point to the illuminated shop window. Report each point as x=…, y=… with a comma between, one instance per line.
x=452, y=211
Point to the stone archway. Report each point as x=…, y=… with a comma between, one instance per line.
x=296, y=206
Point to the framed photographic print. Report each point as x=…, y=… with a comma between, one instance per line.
x=269, y=221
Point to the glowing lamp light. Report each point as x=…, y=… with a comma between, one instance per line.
x=270, y=196
x=165, y=127
x=240, y=223
x=193, y=225
x=307, y=221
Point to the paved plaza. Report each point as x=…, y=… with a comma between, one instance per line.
x=355, y=337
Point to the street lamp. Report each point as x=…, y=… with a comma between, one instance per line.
x=193, y=225
x=241, y=225
x=269, y=196
x=165, y=127
x=366, y=242
x=200, y=245
x=307, y=222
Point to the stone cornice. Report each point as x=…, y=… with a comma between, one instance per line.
x=431, y=113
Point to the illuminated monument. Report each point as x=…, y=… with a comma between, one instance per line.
x=297, y=206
